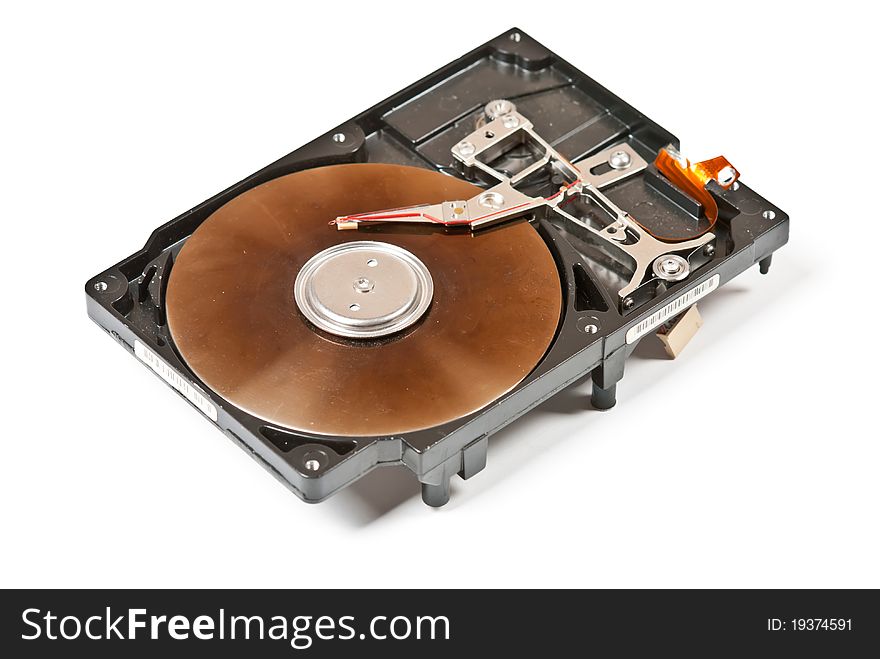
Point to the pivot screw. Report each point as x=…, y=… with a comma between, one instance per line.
x=671, y=267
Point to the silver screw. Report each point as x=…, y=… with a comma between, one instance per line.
x=591, y=329
x=498, y=108
x=709, y=250
x=671, y=267
x=466, y=148
x=101, y=286
x=726, y=175
x=510, y=121
x=363, y=285
x=619, y=160
x=339, y=138
x=628, y=303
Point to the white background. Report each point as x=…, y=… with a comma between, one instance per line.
x=750, y=461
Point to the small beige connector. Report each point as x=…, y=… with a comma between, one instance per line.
x=680, y=333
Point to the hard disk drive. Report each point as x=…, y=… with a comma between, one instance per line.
x=402, y=287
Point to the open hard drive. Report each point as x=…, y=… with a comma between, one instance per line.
x=407, y=284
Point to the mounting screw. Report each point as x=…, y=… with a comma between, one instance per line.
x=498, y=108
x=314, y=461
x=466, y=148
x=628, y=303
x=510, y=121
x=726, y=176
x=619, y=160
x=709, y=250
x=588, y=324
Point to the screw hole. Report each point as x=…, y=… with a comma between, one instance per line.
x=769, y=215
x=490, y=134
x=516, y=37
x=372, y=263
x=354, y=307
x=101, y=286
x=339, y=138
x=312, y=465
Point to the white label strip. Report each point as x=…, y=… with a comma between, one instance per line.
x=173, y=378
x=674, y=308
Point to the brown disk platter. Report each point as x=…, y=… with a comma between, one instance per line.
x=492, y=305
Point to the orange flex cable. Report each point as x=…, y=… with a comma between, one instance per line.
x=692, y=179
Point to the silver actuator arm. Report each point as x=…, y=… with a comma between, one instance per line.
x=646, y=257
